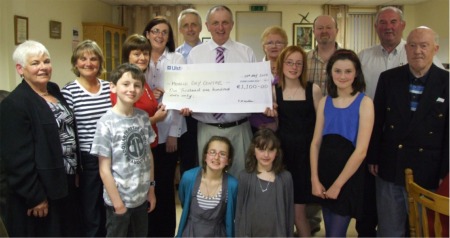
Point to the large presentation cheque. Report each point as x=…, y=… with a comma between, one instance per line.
x=225, y=88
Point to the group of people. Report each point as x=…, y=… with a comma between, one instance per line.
x=98, y=158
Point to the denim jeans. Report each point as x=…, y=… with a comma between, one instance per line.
x=132, y=223
x=392, y=209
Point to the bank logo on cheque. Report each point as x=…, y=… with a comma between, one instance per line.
x=174, y=67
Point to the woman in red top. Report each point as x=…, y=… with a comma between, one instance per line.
x=136, y=50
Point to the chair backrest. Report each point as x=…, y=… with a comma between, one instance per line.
x=3, y=231
x=422, y=203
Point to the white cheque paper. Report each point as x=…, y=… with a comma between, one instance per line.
x=225, y=88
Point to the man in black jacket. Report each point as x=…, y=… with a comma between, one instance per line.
x=410, y=130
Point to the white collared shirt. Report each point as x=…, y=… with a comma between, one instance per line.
x=174, y=124
x=376, y=59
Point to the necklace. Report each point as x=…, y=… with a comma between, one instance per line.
x=295, y=92
x=43, y=94
x=263, y=189
x=214, y=192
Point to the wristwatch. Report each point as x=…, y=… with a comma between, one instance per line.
x=152, y=183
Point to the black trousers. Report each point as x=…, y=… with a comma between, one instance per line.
x=162, y=220
x=367, y=225
x=188, y=146
x=62, y=220
x=91, y=194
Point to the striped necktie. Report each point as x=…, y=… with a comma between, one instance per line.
x=220, y=58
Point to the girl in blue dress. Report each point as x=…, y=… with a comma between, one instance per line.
x=341, y=136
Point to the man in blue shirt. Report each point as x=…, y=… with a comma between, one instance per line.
x=190, y=26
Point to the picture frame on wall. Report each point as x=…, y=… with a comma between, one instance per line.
x=55, y=30
x=302, y=35
x=20, y=29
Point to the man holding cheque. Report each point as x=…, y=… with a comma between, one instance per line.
x=221, y=49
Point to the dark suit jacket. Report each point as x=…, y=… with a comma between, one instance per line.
x=30, y=146
x=402, y=139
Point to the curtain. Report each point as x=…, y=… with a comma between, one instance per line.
x=339, y=13
x=137, y=17
x=397, y=6
x=360, y=31
x=356, y=25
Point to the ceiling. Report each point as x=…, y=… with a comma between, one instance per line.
x=266, y=2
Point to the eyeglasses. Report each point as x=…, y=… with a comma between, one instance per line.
x=157, y=32
x=277, y=44
x=213, y=153
x=290, y=63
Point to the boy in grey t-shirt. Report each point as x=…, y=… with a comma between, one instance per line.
x=122, y=143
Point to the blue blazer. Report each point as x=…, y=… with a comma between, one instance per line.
x=185, y=194
x=402, y=139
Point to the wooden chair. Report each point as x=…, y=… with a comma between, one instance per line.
x=3, y=231
x=420, y=201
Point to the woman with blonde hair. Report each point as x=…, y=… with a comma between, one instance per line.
x=273, y=41
x=88, y=97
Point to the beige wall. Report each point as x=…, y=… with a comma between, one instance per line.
x=289, y=15
x=72, y=12
x=434, y=14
